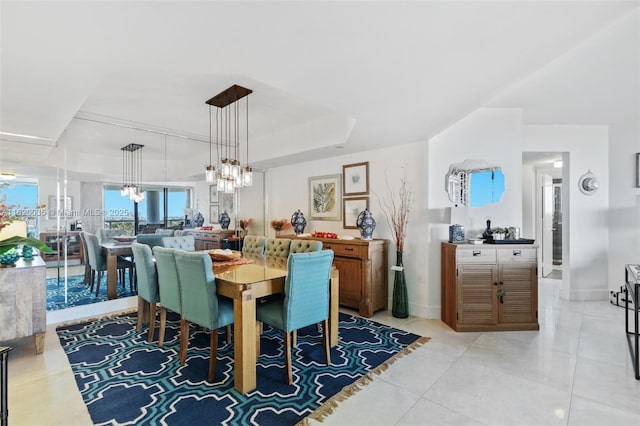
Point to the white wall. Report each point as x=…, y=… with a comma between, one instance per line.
x=287, y=191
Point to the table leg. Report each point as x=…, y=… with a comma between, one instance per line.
x=244, y=343
x=112, y=276
x=334, y=307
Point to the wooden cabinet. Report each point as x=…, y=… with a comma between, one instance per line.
x=363, y=268
x=489, y=287
x=23, y=301
x=210, y=240
x=55, y=242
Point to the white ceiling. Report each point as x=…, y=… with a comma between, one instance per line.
x=355, y=75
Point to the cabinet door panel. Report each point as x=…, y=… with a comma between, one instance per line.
x=350, y=281
x=519, y=303
x=476, y=290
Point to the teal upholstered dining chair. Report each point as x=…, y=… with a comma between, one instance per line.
x=148, y=291
x=305, y=300
x=183, y=242
x=253, y=244
x=200, y=302
x=152, y=240
x=85, y=255
x=277, y=247
x=98, y=262
x=168, y=286
x=304, y=246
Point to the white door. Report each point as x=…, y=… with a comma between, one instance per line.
x=547, y=224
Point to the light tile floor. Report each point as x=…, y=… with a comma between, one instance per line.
x=575, y=371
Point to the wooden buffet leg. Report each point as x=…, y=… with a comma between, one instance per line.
x=39, y=340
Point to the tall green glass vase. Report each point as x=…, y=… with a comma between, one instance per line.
x=400, y=299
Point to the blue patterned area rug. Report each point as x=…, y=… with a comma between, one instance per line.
x=125, y=380
x=78, y=292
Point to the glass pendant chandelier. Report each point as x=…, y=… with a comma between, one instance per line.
x=132, y=172
x=210, y=170
x=231, y=174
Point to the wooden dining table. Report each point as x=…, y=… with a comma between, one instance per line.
x=245, y=284
x=112, y=250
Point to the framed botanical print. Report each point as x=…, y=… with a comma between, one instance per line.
x=351, y=208
x=324, y=197
x=65, y=207
x=213, y=213
x=355, y=178
x=228, y=204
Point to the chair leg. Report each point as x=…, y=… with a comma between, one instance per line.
x=184, y=340
x=213, y=354
x=98, y=282
x=163, y=323
x=228, y=333
x=87, y=274
x=131, y=279
x=141, y=303
x=287, y=356
x=294, y=338
x=327, y=345
x=152, y=320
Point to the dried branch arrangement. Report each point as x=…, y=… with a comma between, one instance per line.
x=396, y=206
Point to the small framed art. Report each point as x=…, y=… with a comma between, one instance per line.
x=355, y=179
x=324, y=197
x=351, y=208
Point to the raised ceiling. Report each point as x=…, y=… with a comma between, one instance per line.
x=83, y=76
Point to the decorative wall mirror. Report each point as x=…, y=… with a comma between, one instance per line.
x=474, y=183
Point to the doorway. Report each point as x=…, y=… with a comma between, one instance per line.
x=543, y=204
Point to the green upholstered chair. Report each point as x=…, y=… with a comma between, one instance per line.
x=148, y=291
x=253, y=244
x=305, y=300
x=152, y=240
x=200, y=302
x=304, y=246
x=98, y=262
x=277, y=247
x=168, y=285
x=183, y=242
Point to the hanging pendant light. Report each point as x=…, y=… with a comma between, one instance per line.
x=231, y=173
x=132, y=172
x=210, y=170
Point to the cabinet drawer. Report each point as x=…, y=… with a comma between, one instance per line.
x=346, y=250
x=476, y=255
x=517, y=255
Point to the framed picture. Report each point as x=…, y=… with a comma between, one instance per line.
x=355, y=179
x=213, y=194
x=65, y=206
x=324, y=197
x=351, y=208
x=214, y=212
x=227, y=204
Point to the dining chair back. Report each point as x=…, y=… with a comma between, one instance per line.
x=304, y=246
x=148, y=291
x=152, y=240
x=200, y=302
x=168, y=286
x=183, y=242
x=305, y=300
x=277, y=247
x=85, y=258
x=253, y=244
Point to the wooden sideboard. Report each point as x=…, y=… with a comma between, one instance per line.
x=23, y=301
x=209, y=240
x=364, y=271
x=54, y=241
x=489, y=287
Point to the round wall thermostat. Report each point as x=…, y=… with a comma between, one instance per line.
x=588, y=183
